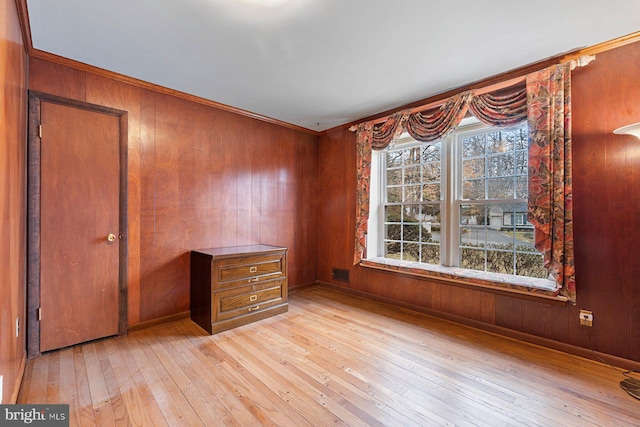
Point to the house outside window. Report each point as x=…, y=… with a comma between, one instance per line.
x=459, y=202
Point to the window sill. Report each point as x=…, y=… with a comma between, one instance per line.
x=517, y=286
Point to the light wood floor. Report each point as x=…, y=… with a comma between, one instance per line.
x=332, y=359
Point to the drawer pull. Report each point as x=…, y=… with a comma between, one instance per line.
x=254, y=308
x=253, y=298
x=253, y=269
x=255, y=279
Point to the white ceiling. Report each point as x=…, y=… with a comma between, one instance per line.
x=321, y=63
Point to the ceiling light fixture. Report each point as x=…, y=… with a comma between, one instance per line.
x=632, y=129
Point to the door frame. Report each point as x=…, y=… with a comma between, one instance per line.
x=33, y=212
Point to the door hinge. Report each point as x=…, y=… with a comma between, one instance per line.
x=39, y=313
x=39, y=131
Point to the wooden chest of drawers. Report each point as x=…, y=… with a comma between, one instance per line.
x=237, y=285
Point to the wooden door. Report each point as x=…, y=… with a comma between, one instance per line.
x=79, y=208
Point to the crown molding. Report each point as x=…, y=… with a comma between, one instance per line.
x=25, y=26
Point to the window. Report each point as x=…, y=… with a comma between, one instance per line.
x=459, y=202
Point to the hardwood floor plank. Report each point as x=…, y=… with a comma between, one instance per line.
x=282, y=382
x=83, y=414
x=242, y=383
x=136, y=409
x=520, y=362
x=470, y=388
x=375, y=399
x=172, y=403
x=39, y=377
x=139, y=384
x=387, y=380
x=23, y=393
x=116, y=399
x=332, y=359
x=53, y=378
x=181, y=373
x=304, y=380
x=100, y=401
x=68, y=383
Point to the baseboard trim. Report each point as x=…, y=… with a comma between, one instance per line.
x=586, y=353
x=159, y=321
x=301, y=286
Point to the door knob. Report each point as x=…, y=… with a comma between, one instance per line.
x=111, y=237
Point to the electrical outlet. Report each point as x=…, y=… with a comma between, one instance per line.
x=586, y=318
x=17, y=327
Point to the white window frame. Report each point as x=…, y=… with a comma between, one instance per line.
x=451, y=189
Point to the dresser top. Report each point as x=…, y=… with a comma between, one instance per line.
x=239, y=250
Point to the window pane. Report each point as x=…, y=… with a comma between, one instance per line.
x=394, y=159
x=430, y=254
x=473, y=189
x=473, y=237
x=499, y=142
x=411, y=156
x=412, y=175
x=431, y=192
x=522, y=187
x=430, y=233
x=522, y=138
x=411, y=233
x=499, y=217
x=473, y=259
x=412, y=193
x=501, y=165
x=431, y=213
x=431, y=172
x=411, y=252
x=393, y=232
x=500, y=262
x=522, y=162
x=393, y=213
x=473, y=214
x=411, y=213
x=431, y=153
x=393, y=250
x=394, y=194
x=473, y=168
x=394, y=176
x=473, y=146
x=530, y=265
x=500, y=188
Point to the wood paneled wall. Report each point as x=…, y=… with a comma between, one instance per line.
x=199, y=177
x=606, y=95
x=13, y=72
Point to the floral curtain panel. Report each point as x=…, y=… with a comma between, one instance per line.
x=546, y=103
x=550, y=186
x=364, y=140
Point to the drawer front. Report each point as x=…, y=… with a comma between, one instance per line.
x=236, y=302
x=249, y=270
